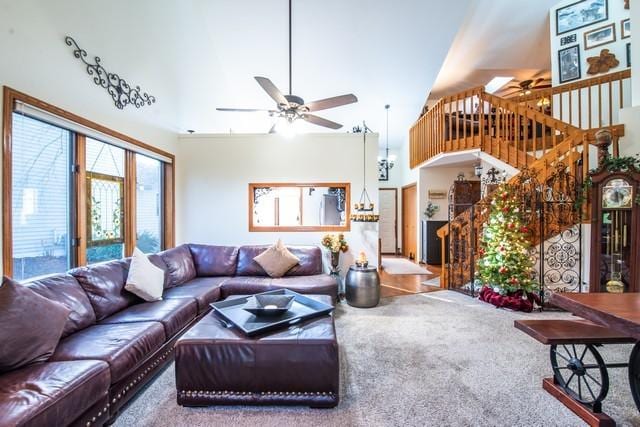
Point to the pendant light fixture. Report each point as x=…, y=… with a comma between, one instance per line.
x=386, y=163
x=363, y=210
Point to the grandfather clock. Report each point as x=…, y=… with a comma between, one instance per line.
x=615, y=232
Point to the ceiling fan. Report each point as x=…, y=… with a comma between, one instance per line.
x=292, y=107
x=525, y=87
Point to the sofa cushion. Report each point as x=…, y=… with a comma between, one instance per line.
x=174, y=314
x=65, y=289
x=30, y=325
x=276, y=260
x=212, y=260
x=179, y=264
x=122, y=345
x=323, y=284
x=159, y=262
x=204, y=290
x=310, y=261
x=104, y=284
x=53, y=393
x=144, y=279
x=245, y=285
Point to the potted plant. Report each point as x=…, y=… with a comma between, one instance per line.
x=431, y=209
x=335, y=243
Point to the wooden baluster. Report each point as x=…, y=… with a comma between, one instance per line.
x=621, y=91
x=590, y=110
x=518, y=130
x=535, y=138
x=599, y=105
x=580, y=108
x=464, y=119
x=610, y=104
x=570, y=107
x=450, y=124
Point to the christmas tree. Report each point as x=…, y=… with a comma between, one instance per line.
x=505, y=265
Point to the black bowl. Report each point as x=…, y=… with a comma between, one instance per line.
x=268, y=305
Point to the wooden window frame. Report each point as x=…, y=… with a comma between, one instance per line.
x=301, y=228
x=10, y=98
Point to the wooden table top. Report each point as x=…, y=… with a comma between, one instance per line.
x=620, y=312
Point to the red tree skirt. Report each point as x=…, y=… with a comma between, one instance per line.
x=512, y=301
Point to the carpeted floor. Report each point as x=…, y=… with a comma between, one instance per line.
x=396, y=265
x=436, y=359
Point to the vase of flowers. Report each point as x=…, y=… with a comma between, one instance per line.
x=335, y=243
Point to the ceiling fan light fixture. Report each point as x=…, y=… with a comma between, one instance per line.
x=287, y=127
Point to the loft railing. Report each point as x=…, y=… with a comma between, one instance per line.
x=587, y=104
x=474, y=119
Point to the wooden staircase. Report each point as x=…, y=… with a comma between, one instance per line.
x=522, y=131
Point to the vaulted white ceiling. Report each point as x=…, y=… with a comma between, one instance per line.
x=196, y=55
x=507, y=38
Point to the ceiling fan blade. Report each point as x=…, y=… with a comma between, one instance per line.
x=544, y=86
x=514, y=87
x=273, y=129
x=320, y=121
x=272, y=90
x=336, y=101
x=245, y=110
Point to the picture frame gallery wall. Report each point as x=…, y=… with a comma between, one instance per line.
x=580, y=29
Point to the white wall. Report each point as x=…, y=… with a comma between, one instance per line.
x=212, y=186
x=616, y=14
x=630, y=117
x=35, y=60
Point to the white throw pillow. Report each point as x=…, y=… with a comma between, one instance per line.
x=144, y=279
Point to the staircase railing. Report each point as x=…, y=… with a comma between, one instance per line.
x=587, y=104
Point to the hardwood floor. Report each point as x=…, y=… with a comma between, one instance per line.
x=407, y=284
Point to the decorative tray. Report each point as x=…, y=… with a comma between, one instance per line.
x=232, y=312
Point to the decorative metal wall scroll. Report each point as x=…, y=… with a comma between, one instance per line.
x=123, y=93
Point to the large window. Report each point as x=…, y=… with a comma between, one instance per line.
x=149, y=222
x=78, y=193
x=40, y=202
x=299, y=207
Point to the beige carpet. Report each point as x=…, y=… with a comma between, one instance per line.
x=435, y=359
x=402, y=266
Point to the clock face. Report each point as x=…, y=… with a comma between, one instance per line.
x=617, y=194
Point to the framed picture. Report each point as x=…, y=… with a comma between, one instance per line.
x=626, y=28
x=569, y=64
x=581, y=14
x=628, y=54
x=600, y=36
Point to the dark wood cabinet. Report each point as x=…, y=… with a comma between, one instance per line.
x=431, y=246
x=615, y=256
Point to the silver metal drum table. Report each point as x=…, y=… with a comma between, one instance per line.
x=362, y=287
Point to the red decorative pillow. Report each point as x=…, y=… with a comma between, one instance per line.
x=30, y=325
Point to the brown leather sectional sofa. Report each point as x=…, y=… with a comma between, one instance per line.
x=114, y=343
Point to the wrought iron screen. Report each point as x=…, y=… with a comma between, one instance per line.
x=549, y=209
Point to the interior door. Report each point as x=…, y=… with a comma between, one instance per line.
x=409, y=221
x=388, y=220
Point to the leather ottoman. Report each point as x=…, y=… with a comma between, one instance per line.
x=297, y=365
